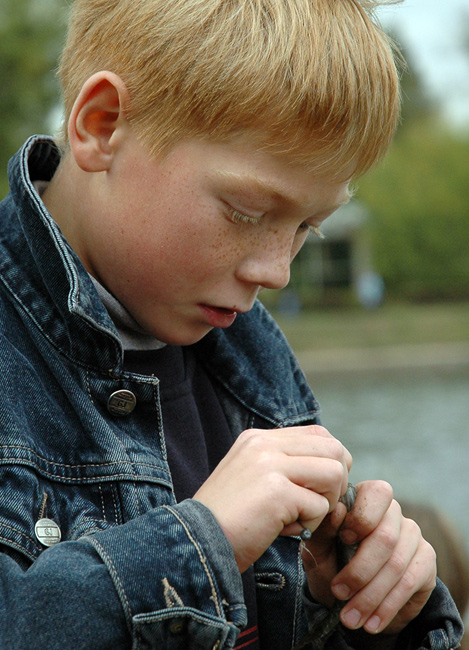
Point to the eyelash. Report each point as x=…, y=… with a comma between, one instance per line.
x=313, y=229
x=239, y=217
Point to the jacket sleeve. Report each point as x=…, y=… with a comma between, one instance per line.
x=437, y=627
x=130, y=586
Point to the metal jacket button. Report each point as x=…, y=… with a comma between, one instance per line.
x=47, y=532
x=122, y=402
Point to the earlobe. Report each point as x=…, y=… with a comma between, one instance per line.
x=98, y=112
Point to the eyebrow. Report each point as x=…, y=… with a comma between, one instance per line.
x=254, y=183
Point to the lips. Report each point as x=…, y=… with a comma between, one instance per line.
x=218, y=316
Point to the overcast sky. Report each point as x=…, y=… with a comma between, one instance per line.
x=433, y=32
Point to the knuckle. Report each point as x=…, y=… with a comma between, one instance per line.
x=409, y=582
x=336, y=473
x=431, y=582
x=246, y=435
x=384, y=489
x=254, y=439
x=259, y=450
x=387, y=537
x=356, y=577
x=398, y=564
x=336, y=450
x=426, y=557
x=391, y=605
x=276, y=486
x=318, y=508
x=367, y=602
x=413, y=527
x=429, y=551
x=318, y=430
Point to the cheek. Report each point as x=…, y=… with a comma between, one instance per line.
x=223, y=248
x=203, y=237
x=186, y=251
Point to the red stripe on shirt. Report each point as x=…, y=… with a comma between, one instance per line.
x=243, y=645
x=251, y=630
x=246, y=632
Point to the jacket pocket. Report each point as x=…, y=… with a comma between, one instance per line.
x=36, y=513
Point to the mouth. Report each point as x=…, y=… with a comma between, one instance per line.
x=219, y=316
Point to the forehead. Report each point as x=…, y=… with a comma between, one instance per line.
x=243, y=167
x=293, y=188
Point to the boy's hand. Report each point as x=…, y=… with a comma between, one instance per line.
x=272, y=479
x=391, y=576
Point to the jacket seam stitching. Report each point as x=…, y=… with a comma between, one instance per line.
x=114, y=501
x=117, y=581
x=97, y=526
x=202, y=559
x=88, y=386
x=267, y=416
x=92, y=479
x=103, y=507
x=18, y=547
x=299, y=586
x=18, y=530
x=80, y=466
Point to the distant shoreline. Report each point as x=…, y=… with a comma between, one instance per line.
x=416, y=356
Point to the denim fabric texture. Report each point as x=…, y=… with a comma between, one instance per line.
x=134, y=569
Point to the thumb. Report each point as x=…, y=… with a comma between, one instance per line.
x=322, y=543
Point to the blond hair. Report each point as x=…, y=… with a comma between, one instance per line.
x=314, y=78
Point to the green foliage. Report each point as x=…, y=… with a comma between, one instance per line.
x=30, y=37
x=416, y=103
x=419, y=204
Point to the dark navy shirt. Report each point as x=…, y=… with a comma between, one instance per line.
x=197, y=436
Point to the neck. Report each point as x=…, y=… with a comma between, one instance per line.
x=67, y=199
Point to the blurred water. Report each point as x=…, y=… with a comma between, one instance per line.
x=409, y=428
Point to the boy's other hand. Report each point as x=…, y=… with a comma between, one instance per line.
x=391, y=576
x=271, y=480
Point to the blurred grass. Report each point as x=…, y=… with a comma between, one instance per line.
x=391, y=324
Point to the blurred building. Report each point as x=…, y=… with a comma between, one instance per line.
x=339, y=264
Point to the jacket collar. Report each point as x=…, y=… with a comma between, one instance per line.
x=255, y=363
x=251, y=359
x=43, y=273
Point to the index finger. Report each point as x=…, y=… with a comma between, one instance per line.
x=319, y=430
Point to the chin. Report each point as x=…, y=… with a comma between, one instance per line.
x=180, y=337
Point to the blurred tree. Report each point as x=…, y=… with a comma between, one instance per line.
x=419, y=202
x=416, y=102
x=30, y=37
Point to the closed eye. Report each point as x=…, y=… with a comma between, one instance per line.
x=239, y=217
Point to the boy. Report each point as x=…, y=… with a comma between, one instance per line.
x=161, y=451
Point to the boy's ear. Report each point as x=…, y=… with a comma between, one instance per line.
x=98, y=113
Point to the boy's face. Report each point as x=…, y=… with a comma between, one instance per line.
x=186, y=241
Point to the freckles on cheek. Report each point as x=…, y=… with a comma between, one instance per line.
x=224, y=250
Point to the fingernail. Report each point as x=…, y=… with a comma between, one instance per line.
x=341, y=591
x=352, y=618
x=372, y=625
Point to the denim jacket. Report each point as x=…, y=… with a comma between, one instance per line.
x=133, y=568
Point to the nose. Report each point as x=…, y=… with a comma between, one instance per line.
x=267, y=266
